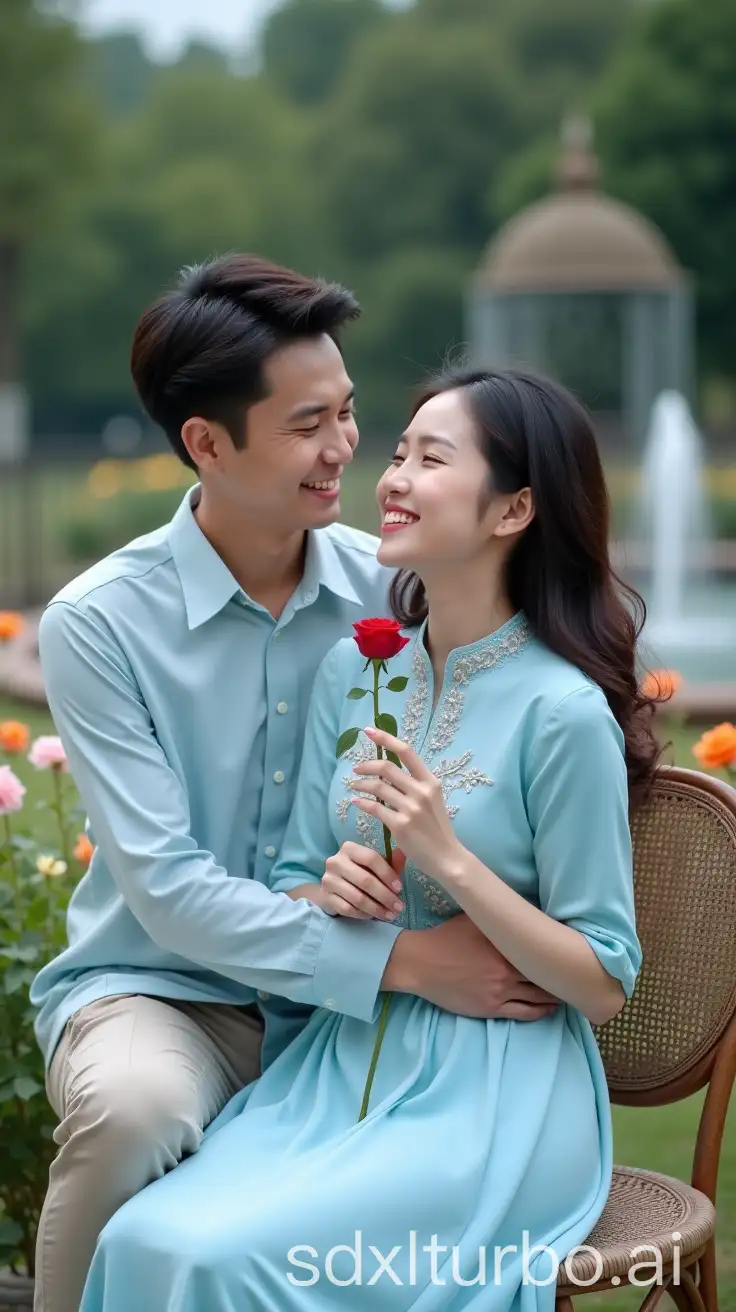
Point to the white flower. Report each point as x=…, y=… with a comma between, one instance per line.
x=49, y=865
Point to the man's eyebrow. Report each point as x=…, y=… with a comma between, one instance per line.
x=311, y=411
x=427, y=439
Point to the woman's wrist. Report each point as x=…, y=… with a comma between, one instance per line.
x=452, y=870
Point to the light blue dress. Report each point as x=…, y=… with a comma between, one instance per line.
x=481, y=1135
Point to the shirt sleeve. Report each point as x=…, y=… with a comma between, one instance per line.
x=309, y=838
x=139, y=813
x=579, y=813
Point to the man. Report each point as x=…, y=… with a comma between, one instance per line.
x=178, y=671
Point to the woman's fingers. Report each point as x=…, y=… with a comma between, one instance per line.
x=362, y=891
x=337, y=906
x=367, y=858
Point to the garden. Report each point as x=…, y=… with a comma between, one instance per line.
x=43, y=853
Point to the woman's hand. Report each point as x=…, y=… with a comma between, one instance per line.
x=359, y=882
x=410, y=804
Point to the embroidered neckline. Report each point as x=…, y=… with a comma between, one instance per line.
x=430, y=733
x=463, y=664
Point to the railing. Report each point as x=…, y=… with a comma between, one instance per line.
x=59, y=514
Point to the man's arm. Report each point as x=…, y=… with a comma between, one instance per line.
x=139, y=812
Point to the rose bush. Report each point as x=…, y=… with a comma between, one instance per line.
x=36, y=880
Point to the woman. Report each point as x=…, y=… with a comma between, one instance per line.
x=522, y=740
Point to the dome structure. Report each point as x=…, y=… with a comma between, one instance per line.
x=583, y=287
x=579, y=239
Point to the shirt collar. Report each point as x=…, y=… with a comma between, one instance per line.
x=207, y=583
x=324, y=568
x=205, y=579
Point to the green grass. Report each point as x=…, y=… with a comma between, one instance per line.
x=661, y=1138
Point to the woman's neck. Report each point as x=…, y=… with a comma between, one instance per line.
x=462, y=611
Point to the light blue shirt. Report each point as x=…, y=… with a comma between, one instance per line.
x=182, y=706
x=533, y=773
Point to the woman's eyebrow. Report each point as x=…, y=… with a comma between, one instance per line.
x=427, y=439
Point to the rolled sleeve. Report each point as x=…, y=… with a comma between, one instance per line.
x=351, y=964
x=579, y=811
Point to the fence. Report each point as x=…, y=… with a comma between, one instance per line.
x=59, y=514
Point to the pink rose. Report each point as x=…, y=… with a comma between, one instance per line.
x=47, y=753
x=12, y=791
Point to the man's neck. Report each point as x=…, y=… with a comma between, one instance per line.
x=267, y=565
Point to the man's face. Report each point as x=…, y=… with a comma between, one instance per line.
x=298, y=441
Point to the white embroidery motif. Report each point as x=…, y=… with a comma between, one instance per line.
x=454, y=773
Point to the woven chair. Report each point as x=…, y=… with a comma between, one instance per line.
x=675, y=1036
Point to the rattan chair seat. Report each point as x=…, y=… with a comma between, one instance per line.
x=643, y=1208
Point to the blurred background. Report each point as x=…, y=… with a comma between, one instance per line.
x=386, y=145
x=547, y=182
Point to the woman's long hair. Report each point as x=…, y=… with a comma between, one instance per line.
x=533, y=433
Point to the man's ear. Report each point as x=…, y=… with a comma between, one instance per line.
x=204, y=441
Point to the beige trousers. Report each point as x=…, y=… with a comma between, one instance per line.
x=135, y=1081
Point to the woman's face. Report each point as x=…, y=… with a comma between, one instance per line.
x=434, y=498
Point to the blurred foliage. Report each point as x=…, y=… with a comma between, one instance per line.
x=667, y=129
x=48, y=134
x=32, y=931
x=307, y=44
x=98, y=529
x=377, y=144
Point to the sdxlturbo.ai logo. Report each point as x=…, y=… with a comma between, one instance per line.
x=414, y=1264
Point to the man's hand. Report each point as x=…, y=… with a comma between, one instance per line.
x=454, y=966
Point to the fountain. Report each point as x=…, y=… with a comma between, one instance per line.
x=691, y=625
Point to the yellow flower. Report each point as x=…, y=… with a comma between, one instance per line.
x=49, y=865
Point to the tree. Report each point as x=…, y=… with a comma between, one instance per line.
x=305, y=44
x=46, y=133
x=666, y=124
x=119, y=71
x=211, y=162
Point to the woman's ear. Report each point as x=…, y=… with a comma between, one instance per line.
x=518, y=514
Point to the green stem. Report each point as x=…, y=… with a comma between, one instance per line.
x=61, y=816
x=11, y=855
x=374, y=1059
x=14, y=873
x=383, y=1018
x=379, y=751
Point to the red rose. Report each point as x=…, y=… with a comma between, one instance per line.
x=379, y=639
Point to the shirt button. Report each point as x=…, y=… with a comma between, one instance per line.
x=279, y=777
x=270, y=851
x=331, y=1004
x=263, y=996
x=282, y=708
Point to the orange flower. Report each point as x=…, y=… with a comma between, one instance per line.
x=83, y=850
x=660, y=685
x=717, y=747
x=14, y=736
x=11, y=625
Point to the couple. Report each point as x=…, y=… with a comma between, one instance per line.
x=209, y=941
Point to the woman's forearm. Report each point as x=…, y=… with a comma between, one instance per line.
x=555, y=956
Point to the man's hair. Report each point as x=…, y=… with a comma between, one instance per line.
x=201, y=348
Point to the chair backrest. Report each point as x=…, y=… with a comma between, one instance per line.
x=662, y=1045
